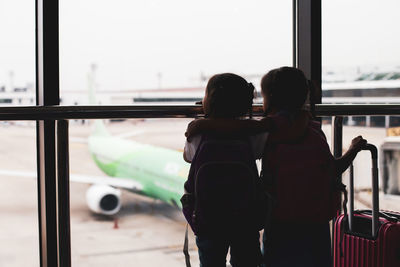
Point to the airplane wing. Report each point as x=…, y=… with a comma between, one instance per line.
x=124, y=183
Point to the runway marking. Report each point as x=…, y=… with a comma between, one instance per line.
x=124, y=183
x=26, y=174
x=80, y=140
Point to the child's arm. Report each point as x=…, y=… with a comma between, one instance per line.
x=283, y=131
x=226, y=126
x=342, y=163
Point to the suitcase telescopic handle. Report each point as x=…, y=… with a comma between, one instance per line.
x=375, y=191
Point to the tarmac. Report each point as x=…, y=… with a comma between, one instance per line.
x=144, y=233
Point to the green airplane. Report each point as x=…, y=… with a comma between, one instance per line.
x=156, y=172
x=152, y=171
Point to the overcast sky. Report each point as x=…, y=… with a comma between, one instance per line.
x=137, y=44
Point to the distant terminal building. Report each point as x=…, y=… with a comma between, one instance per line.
x=17, y=96
x=365, y=88
x=168, y=96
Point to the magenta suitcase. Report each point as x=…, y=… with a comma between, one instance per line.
x=367, y=238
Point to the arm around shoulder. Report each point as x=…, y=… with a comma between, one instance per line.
x=227, y=126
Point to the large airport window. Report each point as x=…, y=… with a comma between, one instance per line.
x=19, y=237
x=360, y=66
x=163, y=52
x=17, y=53
x=127, y=179
x=359, y=58
x=388, y=143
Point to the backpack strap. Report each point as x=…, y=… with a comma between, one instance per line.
x=268, y=215
x=193, y=197
x=186, y=248
x=386, y=215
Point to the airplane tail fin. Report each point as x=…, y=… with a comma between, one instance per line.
x=99, y=128
x=92, y=84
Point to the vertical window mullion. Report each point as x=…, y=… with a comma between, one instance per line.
x=307, y=33
x=47, y=93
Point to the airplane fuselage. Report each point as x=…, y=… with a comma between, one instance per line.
x=160, y=171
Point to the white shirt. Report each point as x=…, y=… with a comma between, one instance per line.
x=257, y=142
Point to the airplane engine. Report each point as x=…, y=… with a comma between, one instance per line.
x=103, y=199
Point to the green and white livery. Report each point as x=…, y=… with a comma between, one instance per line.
x=144, y=169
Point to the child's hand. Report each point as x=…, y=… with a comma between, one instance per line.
x=342, y=163
x=357, y=144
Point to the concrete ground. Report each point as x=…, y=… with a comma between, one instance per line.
x=144, y=233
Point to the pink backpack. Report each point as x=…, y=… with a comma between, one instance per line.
x=300, y=177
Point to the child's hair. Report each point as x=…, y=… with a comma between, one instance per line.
x=229, y=96
x=285, y=88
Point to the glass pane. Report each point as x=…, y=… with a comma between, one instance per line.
x=388, y=143
x=360, y=51
x=19, y=238
x=17, y=52
x=360, y=66
x=113, y=161
x=163, y=52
